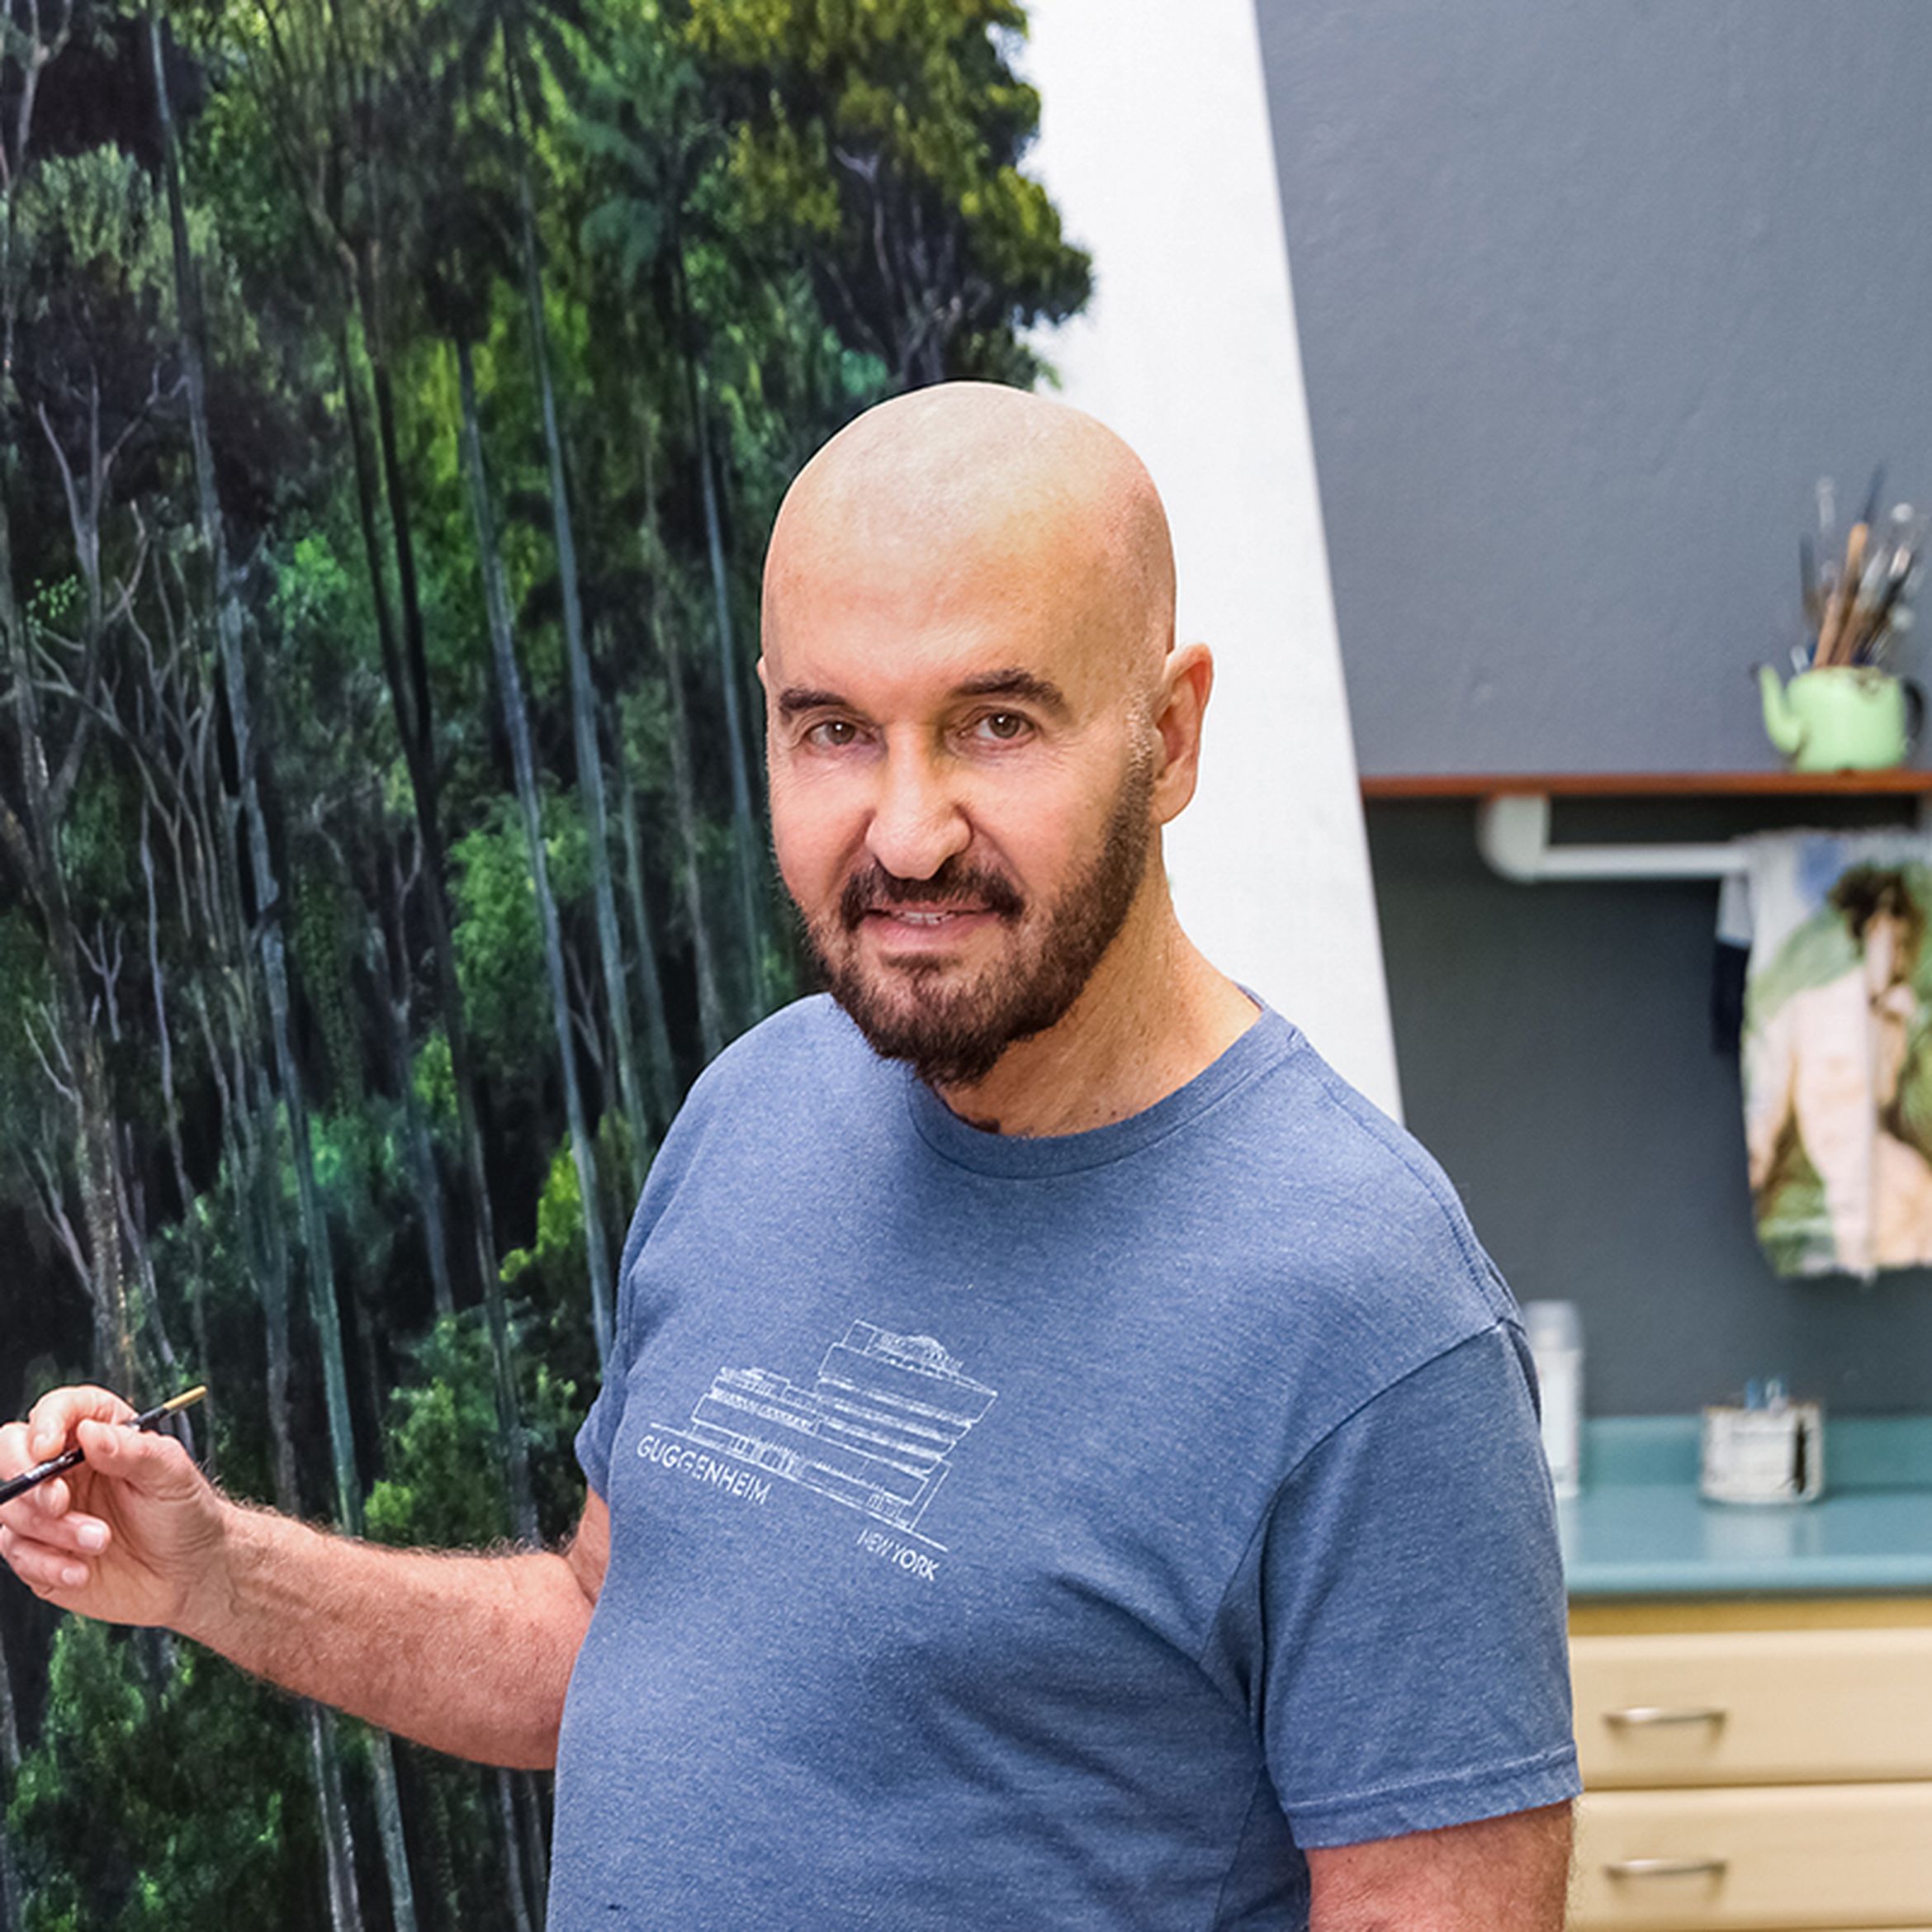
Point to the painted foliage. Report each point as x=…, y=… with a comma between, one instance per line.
x=393, y=400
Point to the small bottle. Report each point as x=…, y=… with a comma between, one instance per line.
x=1555, y=1330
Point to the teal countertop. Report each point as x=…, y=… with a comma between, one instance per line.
x=1639, y=1528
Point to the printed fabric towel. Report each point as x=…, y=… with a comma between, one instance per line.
x=1837, y=1050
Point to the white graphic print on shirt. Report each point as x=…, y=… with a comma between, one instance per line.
x=875, y=1432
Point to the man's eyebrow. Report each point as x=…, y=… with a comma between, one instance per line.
x=1026, y=685
x=797, y=697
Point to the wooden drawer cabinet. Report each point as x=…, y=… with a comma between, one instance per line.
x=1795, y=1855
x=1753, y=1707
x=1755, y=1767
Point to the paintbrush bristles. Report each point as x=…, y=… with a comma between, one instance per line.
x=186, y=1400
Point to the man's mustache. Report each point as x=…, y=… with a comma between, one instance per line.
x=875, y=889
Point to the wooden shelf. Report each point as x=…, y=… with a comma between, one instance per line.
x=1908, y=781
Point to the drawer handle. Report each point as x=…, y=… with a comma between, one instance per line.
x=1648, y=1714
x=1667, y=1867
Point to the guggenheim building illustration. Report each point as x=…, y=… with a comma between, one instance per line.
x=873, y=1432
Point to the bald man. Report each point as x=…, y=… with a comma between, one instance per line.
x=1064, y=1459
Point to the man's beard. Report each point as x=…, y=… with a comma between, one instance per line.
x=952, y=1035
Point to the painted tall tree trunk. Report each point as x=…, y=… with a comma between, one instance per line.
x=711, y=1029
x=171, y=1110
x=318, y=1254
x=515, y=1877
x=35, y=848
x=656, y=1029
x=251, y=1153
x=409, y=700
x=583, y=692
x=269, y=1248
x=747, y=843
x=517, y=725
x=324, y=1306
x=711, y=1024
x=10, y=1902
x=534, y=1809
x=413, y=727
x=391, y=975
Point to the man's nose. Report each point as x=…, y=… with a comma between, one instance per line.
x=918, y=821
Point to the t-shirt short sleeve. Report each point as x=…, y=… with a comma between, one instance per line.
x=1405, y=1602
x=599, y=1428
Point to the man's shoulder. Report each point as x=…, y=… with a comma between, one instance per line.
x=776, y=1087
x=810, y=1035
x=805, y=1063
x=1347, y=1208
x=1314, y=1138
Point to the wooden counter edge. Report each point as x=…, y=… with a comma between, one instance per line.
x=1634, y=1616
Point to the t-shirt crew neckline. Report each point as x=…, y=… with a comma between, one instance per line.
x=1023, y=1156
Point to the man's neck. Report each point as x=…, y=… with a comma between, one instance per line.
x=1153, y=1015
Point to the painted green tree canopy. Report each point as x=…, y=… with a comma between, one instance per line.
x=393, y=400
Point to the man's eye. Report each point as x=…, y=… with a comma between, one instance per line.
x=832, y=732
x=1005, y=725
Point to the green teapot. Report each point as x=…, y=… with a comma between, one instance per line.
x=1842, y=717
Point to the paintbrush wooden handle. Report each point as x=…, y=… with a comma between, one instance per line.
x=1836, y=636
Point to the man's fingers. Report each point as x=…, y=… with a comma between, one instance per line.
x=40, y=1567
x=41, y=1517
x=157, y=1465
x=52, y=1421
x=75, y=1535
x=16, y=1456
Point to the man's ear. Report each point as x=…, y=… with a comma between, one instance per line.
x=1188, y=677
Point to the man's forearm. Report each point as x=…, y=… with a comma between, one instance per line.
x=470, y=1654
x=1507, y=1874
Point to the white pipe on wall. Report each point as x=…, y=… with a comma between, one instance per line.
x=1512, y=834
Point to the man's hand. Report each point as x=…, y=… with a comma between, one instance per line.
x=133, y=1534
x=1508, y=1874
x=471, y=1655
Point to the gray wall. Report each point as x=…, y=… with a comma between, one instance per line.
x=1590, y=295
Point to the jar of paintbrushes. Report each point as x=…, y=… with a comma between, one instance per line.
x=1844, y=708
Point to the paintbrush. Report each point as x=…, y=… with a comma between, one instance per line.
x=1845, y=628
x=1891, y=571
x=1842, y=615
x=41, y=1472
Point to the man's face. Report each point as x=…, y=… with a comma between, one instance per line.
x=1886, y=951
x=961, y=794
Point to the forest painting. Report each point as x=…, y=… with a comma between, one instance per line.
x=394, y=396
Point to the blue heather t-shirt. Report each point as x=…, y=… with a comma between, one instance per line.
x=1043, y=1533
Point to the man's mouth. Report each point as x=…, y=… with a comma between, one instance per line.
x=936, y=902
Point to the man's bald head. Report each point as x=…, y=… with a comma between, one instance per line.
x=970, y=477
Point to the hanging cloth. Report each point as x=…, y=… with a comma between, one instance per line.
x=1837, y=1050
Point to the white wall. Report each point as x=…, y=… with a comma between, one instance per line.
x=1155, y=143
